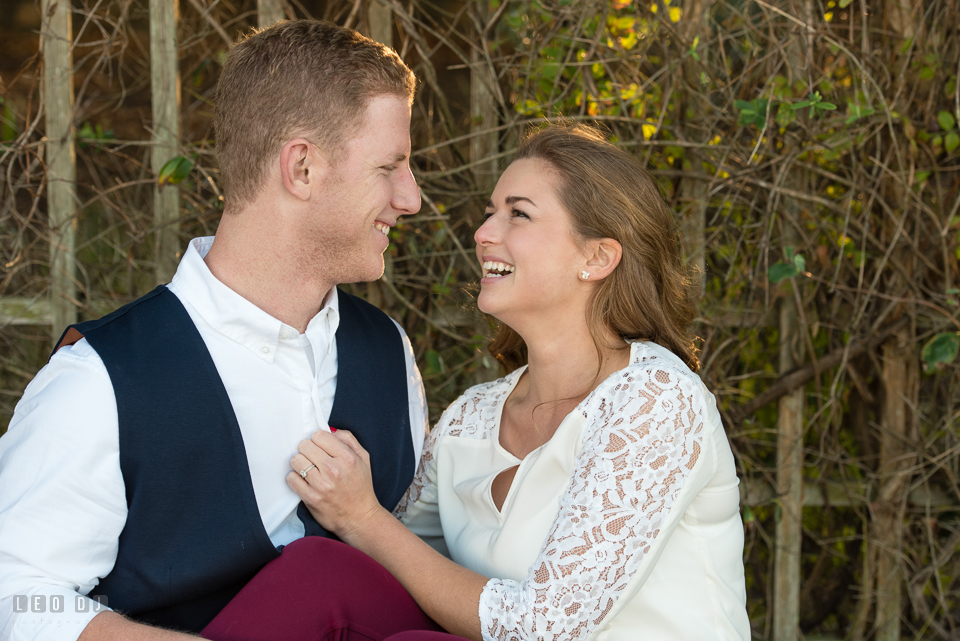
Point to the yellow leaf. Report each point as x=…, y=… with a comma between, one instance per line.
x=675, y=13
x=648, y=131
x=828, y=16
x=653, y=8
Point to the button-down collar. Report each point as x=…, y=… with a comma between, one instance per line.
x=237, y=318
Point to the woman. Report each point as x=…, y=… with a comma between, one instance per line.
x=594, y=482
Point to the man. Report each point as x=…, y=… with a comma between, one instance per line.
x=147, y=461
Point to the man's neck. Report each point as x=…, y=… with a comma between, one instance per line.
x=252, y=256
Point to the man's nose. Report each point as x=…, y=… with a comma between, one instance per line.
x=406, y=194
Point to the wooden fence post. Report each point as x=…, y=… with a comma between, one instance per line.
x=483, y=107
x=790, y=424
x=693, y=191
x=899, y=375
x=165, y=96
x=380, y=21
x=791, y=407
x=56, y=40
x=899, y=378
x=269, y=12
x=484, y=144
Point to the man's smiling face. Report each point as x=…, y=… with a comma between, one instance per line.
x=370, y=187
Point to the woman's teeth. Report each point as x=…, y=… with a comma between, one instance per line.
x=496, y=269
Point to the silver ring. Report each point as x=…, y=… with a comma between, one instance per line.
x=303, y=473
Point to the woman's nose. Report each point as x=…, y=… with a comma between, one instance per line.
x=486, y=234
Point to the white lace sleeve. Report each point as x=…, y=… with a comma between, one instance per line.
x=419, y=509
x=423, y=488
x=642, y=439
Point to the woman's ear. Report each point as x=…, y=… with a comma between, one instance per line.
x=603, y=257
x=302, y=168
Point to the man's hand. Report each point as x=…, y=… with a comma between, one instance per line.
x=337, y=487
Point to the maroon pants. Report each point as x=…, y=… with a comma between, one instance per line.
x=323, y=590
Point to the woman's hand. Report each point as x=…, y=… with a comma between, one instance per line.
x=338, y=486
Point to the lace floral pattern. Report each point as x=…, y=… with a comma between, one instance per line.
x=641, y=441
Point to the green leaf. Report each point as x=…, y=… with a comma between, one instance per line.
x=826, y=106
x=8, y=128
x=856, y=112
x=748, y=515
x=801, y=104
x=845, y=3
x=693, y=49
x=946, y=120
x=434, y=362
x=951, y=142
x=941, y=350
x=174, y=170
x=785, y=115
x=782, y=271
x=926, y=73
x=800, y=263
x=752, y=112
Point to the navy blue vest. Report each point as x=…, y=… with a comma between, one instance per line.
x=193, y=535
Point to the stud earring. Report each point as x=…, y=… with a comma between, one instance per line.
x=584, y=275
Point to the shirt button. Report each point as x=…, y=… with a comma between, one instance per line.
x=265, y=349
x=284, y=335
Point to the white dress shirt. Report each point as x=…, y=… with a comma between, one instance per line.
x=63, y=503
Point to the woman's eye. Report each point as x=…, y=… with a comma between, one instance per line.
x=487, y=214
x=518, y=213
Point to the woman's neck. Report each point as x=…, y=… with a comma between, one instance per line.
x=567, y=365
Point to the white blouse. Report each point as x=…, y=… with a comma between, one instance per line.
x=624, y=525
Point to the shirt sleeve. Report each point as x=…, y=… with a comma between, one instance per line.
x=640, y=466
x=416, y=397
x=419, y=509
x=63, y=503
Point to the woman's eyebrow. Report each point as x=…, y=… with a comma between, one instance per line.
x=511, y=200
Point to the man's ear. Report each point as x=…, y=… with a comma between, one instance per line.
x=603, y=257
x=302, y=168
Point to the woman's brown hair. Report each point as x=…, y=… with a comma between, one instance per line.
x=608, y=194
